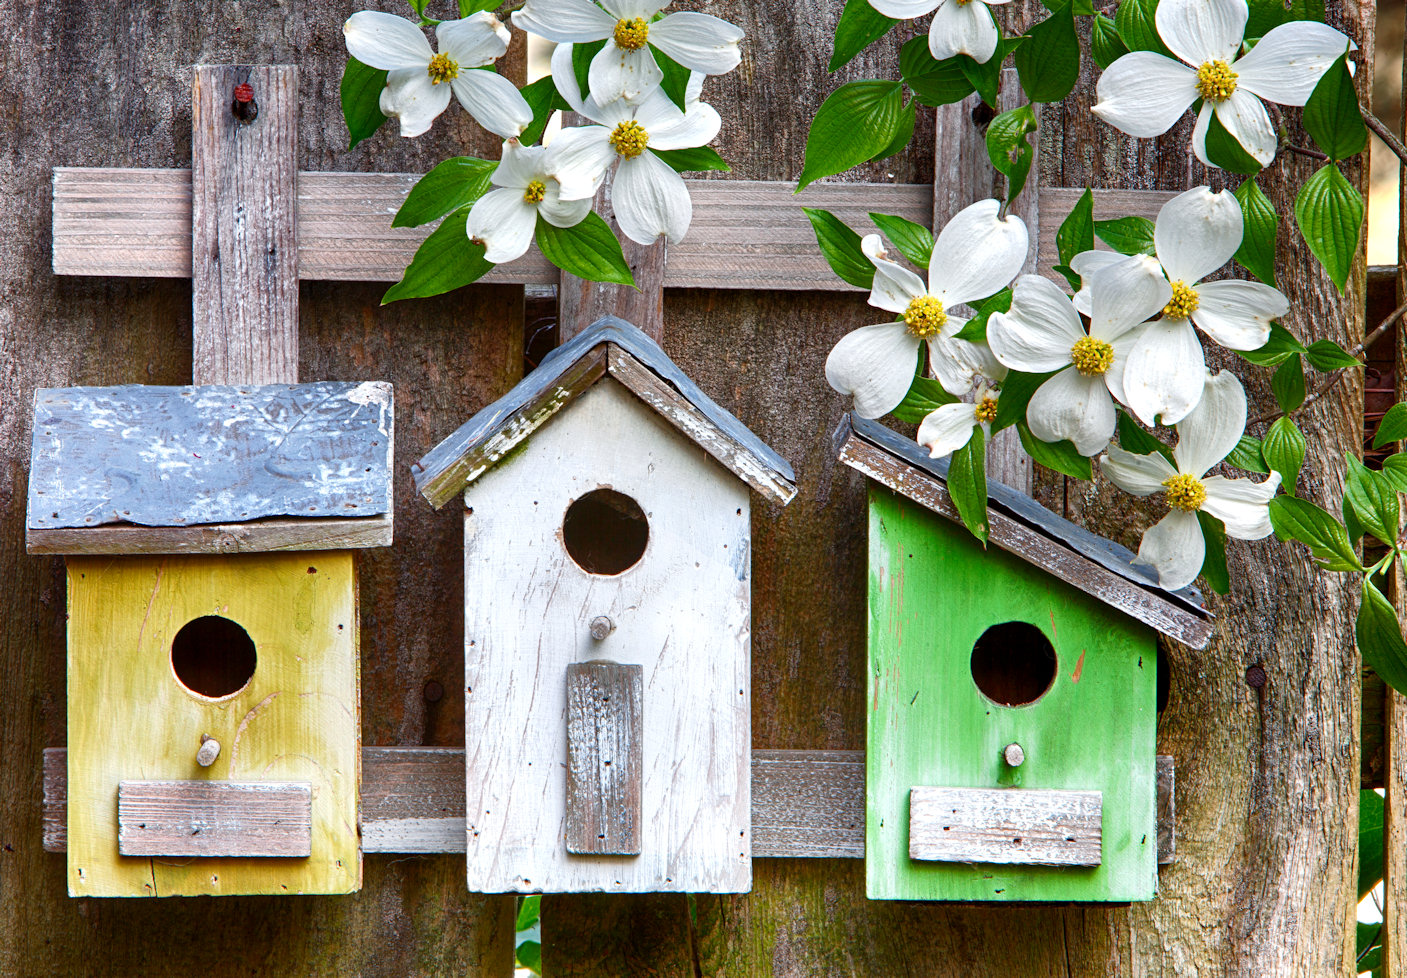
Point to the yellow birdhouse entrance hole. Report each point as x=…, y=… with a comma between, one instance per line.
x=213, y=657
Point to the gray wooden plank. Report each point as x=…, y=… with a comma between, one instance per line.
x=262, y=536
x=605, y=723
x=808, y=804
x=215, y=818
x=1011, y=826
x=1167, y=810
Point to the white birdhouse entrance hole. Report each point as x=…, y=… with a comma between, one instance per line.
x=605, y=532
x=213, y=657
x=1013, y=663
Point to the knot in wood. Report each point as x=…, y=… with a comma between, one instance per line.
x=601, y=626
x=1013, y=755
x=1255, y=676
x=209, y=750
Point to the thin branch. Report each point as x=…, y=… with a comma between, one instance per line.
x=1385, y=134
x=1313, y=154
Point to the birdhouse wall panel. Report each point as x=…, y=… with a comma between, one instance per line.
x=130, y=718
x=933, y=593
x=682, y=613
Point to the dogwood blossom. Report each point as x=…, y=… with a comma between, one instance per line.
x=626, y=67
x=419, y=81
x=950, y=426
x=1143, y=93
x=1175, y=547
x=504, y=220
x=959, y=26
x=1042, y=332
x=977, y=253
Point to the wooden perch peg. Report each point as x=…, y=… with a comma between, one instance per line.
x=601, y=627
x=1013, y=755
x=209, y=750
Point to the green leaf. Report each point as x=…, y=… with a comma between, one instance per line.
x=1127, y=235
x=1134, y=21
x=925, y=396
x=692, y=160
x=1373, y=499
x=589, y=250
x=856, y=122
x=361, y=100
x=1106, y=46
x=582, y=53
x=975, y=329
x=1288, y=384
x=455, y=183
x=1247, y=456
x=1332, y=116
x=675, y=82
x=1395, y=471
x=1326, y=355
x=1299, y=519
x=933, y=82
x=530, y=956
x=1134, y=439
x=543, y=99
x=1379, y=638
x=967, y=484
x=1393, y=426
x=1225, y=151
x=908, y=116
x=1059, y=456
x=529, y=911
x=1076, y=232
x=470, y=7
x=1329, y=212
x=986, y=76
x=860, y=26
x=1009, y=149
x=1017, y=391
x=1371, y=812
x=1279, y=347
x=446, y=260
x=914, y=241
x=1283, y=450
x=1214, y=562
x=841, y=248
x=1259, y=222
x=1048, y=61
x=1350, y=521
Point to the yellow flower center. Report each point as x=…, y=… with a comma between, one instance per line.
x=535, y=192
x=986, y=410
x=1186, y=493
x=1092, y=357
x=925, y=316
x=631, y=34
x=1216, y=81
x=442, y=68
x=1183, y=303
x=629, y=139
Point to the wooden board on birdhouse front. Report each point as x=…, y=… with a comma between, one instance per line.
x=1069, y=679
x=607, y=512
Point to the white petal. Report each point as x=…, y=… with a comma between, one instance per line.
x=1144, y=93
x=616, y=73
x=410, y=97
x=1124, y=294
x=1114, y=376
x=1141, y=475
x=474, y=41
x=1175, y=549
x=977, y=254
x=894, y=285
x=904, y=9
x=564, y=79
x=669, y=128
x=1085, y=264
x=562, y=213
x=518, y=166
x=699, y=42
x=1202, y=30
x=1289, y=61
x=578, y=159
x=947, y=429
x=1237, y=313
x=1038, y=332
x=650, y=199
x=493, y=101
x=1165, y=372
x=564, y=20
x=504, y=222
x=876, y=364
x=1245, y=118
x=1199, y=134
x=963, y=28
x=1241, y=504
x=1196, y=233
x=1211, y=431
x=631, y=9
x=956, y=363
x=1074, y=407
x=386, y=41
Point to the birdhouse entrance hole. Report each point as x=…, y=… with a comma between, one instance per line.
x=1013, y=663
x=605, y=532
x=213, y=657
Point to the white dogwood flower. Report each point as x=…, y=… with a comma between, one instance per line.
x=1042, y=332
x=959, y=26
x=626, y=67
x=1143, y=93
x=975, y=256
x=649, y=198
x=1175, y=547
x=419, y=81
x=504, y=220
x=950, y=426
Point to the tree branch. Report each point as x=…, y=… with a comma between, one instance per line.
x=1385, y=134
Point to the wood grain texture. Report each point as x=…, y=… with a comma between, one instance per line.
x=605, y=723
x=1167, y=810
x=244, y=228
x=215, y=818
x=808, y=804
x=261, y=536
x=1008, y=826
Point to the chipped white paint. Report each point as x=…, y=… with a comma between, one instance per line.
x=1009, y=826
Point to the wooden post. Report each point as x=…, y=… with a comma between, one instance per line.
x=605, y=720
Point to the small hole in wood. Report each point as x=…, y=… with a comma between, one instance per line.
x=605, y=532
x=212, y=656
x=1013, y=663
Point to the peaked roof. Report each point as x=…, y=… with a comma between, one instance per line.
x=1024, y=527
x=610, y=346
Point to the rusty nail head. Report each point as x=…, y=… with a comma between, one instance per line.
x=245, y=109
x=1255, y=676
x=433, y=692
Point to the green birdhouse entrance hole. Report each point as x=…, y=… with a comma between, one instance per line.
x=1013, y=663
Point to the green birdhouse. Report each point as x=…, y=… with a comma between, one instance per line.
x=1012, y=694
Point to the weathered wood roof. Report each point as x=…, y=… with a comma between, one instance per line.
x=109, y=462
x=1027, y=529
x=615, y=347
